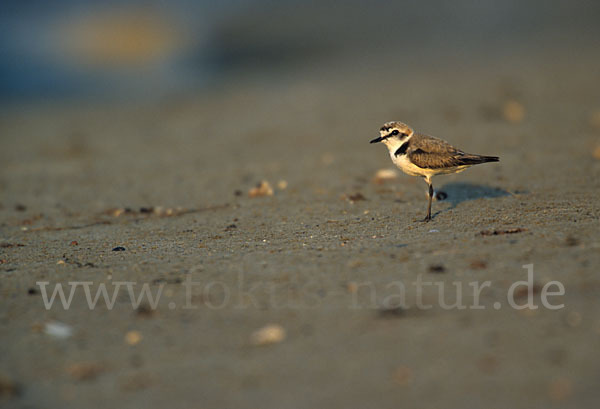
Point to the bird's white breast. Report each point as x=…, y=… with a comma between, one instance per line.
x=402, y=162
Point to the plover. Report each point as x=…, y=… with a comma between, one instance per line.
x=422, y=155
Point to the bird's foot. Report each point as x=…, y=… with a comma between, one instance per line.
x=427, y=218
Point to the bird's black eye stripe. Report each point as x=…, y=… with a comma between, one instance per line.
x=395, y=132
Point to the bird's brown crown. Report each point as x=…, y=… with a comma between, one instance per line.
x=395, y=128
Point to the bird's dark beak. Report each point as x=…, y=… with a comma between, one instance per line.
x=377, y=140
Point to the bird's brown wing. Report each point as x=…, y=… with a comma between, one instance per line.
x=433, y=153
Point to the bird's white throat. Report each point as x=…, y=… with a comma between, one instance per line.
x=393, y=144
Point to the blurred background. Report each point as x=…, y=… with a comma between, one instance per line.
x=88, y=49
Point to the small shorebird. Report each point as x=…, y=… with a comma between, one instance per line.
x=422, y=155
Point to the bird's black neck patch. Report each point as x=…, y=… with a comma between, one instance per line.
x=402, y=149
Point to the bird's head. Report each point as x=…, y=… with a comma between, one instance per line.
x=393, y=133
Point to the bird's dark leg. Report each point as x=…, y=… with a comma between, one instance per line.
x=428, y=217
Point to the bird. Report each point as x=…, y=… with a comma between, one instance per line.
x=422, y=155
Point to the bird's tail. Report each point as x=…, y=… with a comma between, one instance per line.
x=477, y=159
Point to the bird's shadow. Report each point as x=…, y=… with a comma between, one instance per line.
x=461, y=192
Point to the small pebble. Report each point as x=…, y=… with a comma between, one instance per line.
x=144, y=311
x=270, y=334
x=133, y=338
x=116, y=212
x=58, y=330
x=84, y=371
x=282, y=184
x=478, y=264
x=10, y=245
x=501, y=232
x=355, y=197
x=37, y=327
x=74, y=243
x=441, y=195
x=437, y=269
x=391, y=312
x=384, y=175
x=523, y=291
x=262, y=189
x=571, y=241
x=119, y=248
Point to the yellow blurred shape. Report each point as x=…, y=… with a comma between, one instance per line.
x=119, y=38
x=262, y=189
x=133, y=337
x=384, y=175
x=513, y=111
x=269, y=334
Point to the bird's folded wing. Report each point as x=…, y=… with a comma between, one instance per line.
x=433, y=153
x=429, y=160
